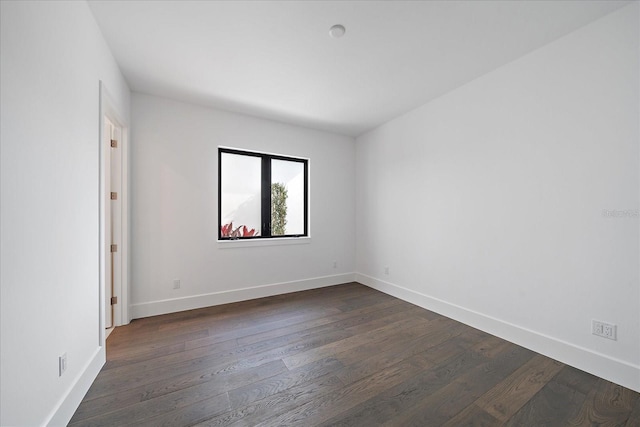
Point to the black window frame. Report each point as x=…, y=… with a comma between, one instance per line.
x=265, y=193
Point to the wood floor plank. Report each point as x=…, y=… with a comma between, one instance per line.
x=386, y=406
x=432, y=400
x=221, y=334
x=576, y=379
x=379, y=319
x=226, y=380
x=130, y=358
x=142, y=362
x=319, y=410
x=294, y=325
x=504, y=400
x=472, y=416
x=154, y=344
x=276, y=404
x=163, y=405
x=370, y=365
x=189, y=415
x=342, y=355
x=266, y=322
x=554, y=404
x=371, y=357
x=634, y=416
x=247, y=311
x=258, y=390
x=464, y=390
x=492, y=346
x=358, y=301
x=607, y=404
x=362, y=335
x=225, y=361
x=118, y=380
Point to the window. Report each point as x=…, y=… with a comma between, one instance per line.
x=261, y=195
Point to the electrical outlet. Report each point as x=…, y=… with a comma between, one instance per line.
x=597, y=328
x=62, y=364
x=335, y=264
x=176, y=284
x=604, y=329
x=609, y=331
x=386, y=271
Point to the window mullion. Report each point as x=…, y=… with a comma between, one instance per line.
x=306, y=198
x=266, y=196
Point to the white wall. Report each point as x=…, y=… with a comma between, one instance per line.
x=486, y=204
x=174, y=209
x=52, y=59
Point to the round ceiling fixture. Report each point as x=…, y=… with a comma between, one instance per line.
x=337, y=31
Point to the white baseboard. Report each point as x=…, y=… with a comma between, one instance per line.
x=609, y=368
x=173, y=305
x=69, y=403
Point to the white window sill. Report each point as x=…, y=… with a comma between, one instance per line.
x=283, y=241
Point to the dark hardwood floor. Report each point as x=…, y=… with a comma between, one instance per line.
x=340, y=356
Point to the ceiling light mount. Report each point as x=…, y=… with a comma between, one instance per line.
x=337, y=31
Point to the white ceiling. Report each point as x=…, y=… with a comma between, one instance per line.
x=275, y=59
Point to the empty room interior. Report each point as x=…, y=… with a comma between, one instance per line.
x=399, y=213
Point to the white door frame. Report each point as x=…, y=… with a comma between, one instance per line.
x=121, y=310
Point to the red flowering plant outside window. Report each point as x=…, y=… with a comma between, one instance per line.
x=227, y=230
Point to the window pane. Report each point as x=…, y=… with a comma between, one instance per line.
x=240, y=195
x=287, y=198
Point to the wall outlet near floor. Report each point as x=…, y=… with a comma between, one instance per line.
x=62, y=364
x=176, y=284
x=335, y=264
x=604, y=329
x=386, y=271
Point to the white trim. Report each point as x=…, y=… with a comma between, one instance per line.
x=101, y=215
x=607, y=367
x=68, y=404
x=121, y=313
x=249, y=151
x=282, y=241
x=125, y=314
x=173, y=305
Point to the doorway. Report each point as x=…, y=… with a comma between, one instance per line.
x=113, y=215
x=113, y=301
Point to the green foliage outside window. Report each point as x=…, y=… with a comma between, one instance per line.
x=278, y=209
